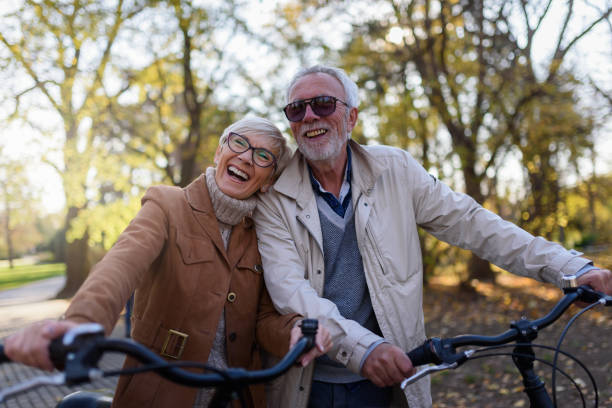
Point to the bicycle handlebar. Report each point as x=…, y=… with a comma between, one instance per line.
x=438, y=351
x=82, y=347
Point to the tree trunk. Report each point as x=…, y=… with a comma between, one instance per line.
x=77, y=264
x=189, y=148
x=7, y=228
x=478, y=268
x=9, y=241
x=592, y=196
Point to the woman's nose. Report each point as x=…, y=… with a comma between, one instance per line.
x=246, y=156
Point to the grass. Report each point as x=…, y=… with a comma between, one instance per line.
x=22, y=274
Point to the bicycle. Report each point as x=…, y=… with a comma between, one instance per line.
x=79, y=351
x=441, y=354
x=86, y=344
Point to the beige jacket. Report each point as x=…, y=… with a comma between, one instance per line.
x=392, y=195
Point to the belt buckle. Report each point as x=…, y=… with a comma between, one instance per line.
x=174, y=345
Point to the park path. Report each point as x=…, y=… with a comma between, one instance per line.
x=27, y=304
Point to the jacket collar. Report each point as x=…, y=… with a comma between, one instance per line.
x=198, y=197
x=294, y=182
x=199, y=200
x=367, y=169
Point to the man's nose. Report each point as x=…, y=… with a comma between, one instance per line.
x=310, y=116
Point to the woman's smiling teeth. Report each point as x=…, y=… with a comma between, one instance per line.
x=316, y=132
x=235, y=171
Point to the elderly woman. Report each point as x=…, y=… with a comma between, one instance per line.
x=191, y=257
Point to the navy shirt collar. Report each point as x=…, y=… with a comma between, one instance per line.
x=338, y=207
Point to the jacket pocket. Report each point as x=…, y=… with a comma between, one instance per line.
x=256, y=268
x=248, y=278
x=193, y=249
x=376, y=250
x=251, y=261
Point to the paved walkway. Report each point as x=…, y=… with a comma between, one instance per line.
x=29, y=303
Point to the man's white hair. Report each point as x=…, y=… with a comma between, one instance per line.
x=350, y=87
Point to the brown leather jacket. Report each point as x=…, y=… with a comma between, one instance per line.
x=173, y=256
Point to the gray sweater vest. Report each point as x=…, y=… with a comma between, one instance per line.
x=345, y=285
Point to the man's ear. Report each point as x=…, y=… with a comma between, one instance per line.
x=352, y=119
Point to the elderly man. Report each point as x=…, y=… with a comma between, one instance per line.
x=338, y=238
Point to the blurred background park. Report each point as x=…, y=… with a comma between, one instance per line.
x=508, y=101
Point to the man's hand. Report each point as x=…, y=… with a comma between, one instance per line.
x=323, y=343
x=30, y=345
x=387, y=365
x=598, y=279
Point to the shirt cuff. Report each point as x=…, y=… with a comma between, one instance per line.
x=369, y=350
x=586, y=268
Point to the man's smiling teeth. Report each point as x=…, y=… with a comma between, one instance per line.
x=239, y=173
x=316, y=132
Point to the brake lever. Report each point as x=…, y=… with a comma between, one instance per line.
x=435, y=368
x=586, y=292
x=52, y=379
x=426, y=371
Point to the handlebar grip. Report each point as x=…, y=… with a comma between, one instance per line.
x=3, y=357
x=424, y=354
x=309, y=326
x=58, y=352
x=309, y=330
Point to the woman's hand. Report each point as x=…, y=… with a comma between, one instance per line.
x=30, y=345
x=323, y=343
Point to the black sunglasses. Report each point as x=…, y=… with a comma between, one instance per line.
x=240, y=144
x=320, y=105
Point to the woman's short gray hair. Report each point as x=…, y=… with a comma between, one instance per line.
x=254, y=125
x=350, y=87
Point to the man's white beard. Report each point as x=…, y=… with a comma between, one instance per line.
x=330, y=150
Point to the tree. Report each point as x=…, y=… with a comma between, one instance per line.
x=588, y=217
x=468, y=64
x=175, y=118
x=17, y=216
x=163, y=122
x=131, y=116
x=62, y=50
x=552, y=133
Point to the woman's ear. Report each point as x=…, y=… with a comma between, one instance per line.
x=269, y=182
x=265, y=187
x=217, y=154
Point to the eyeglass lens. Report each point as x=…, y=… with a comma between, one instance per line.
x=261, y=157
x=320, y=105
